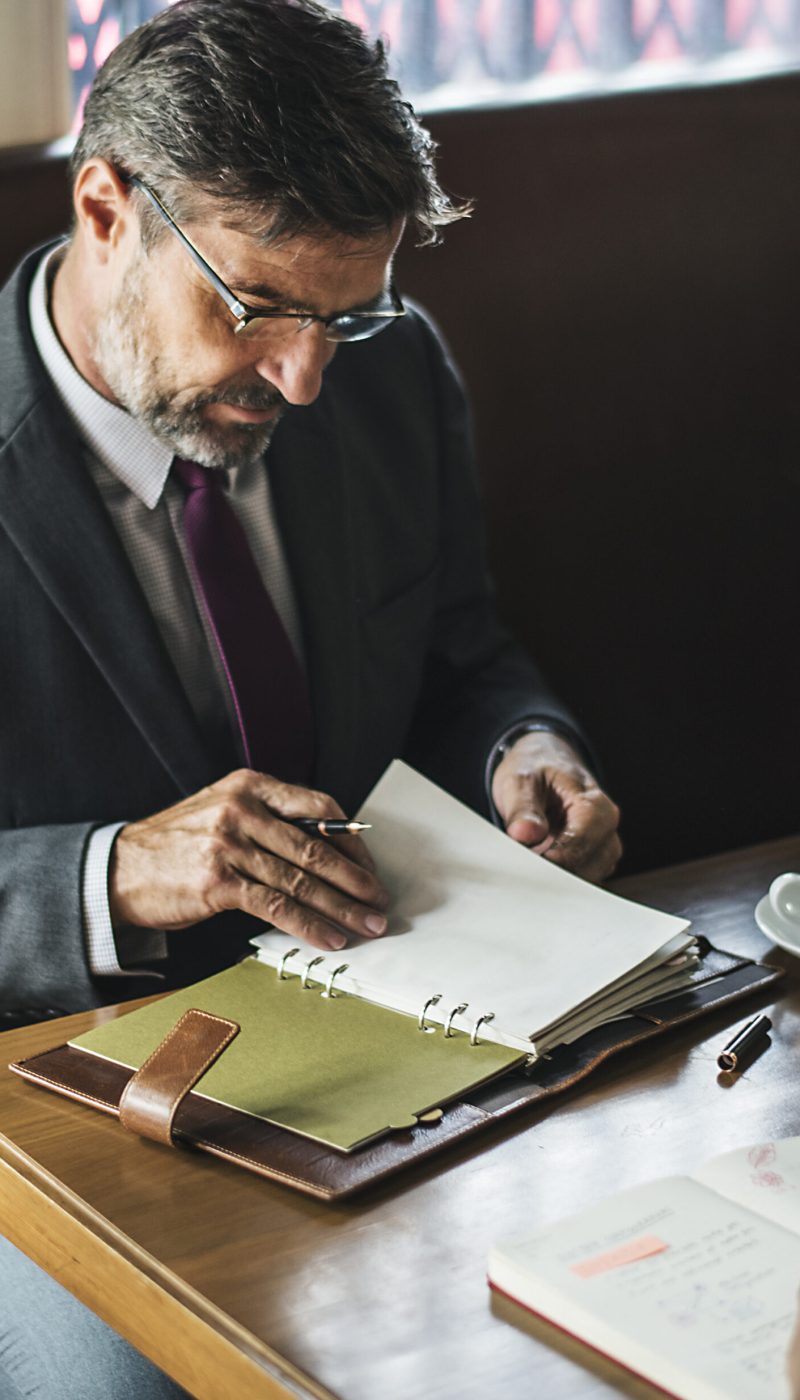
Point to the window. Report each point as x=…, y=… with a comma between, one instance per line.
x=95, y=27
x=453, y=52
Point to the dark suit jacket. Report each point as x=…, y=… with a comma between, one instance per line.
x=376, y=500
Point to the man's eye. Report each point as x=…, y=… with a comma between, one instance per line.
x=271, y=308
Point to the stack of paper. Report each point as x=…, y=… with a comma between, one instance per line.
x=482, y=923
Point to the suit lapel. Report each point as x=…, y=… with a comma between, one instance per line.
x=309, y=486
x=51, y=510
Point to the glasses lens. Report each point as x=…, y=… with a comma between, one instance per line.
x=353, y=325
x=358, y=326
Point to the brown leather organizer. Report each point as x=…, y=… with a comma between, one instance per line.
x=192, y=1121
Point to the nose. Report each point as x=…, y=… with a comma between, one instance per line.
x=296, y=362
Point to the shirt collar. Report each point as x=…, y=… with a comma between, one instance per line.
x=120, y=441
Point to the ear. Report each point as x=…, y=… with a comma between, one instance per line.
x=103, y=208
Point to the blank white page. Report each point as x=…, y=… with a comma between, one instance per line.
x=482, y=920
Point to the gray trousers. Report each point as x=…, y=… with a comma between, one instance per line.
x=53, y=1348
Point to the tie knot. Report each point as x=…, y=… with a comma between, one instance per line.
x=192, y=475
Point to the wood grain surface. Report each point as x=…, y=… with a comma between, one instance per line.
x=239, y=1287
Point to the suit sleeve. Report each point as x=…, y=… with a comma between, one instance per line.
x=43, y=963
x=478, y=683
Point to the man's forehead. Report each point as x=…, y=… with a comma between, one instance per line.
x=248, y=258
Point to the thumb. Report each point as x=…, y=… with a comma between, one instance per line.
x=527, y=824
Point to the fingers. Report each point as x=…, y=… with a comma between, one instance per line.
x=229, y=846
x=320, y=856
x=589, y=843
x=305, y=909
x=300, y=882
x=290, y=802
x=315, y=877
x=593, y=863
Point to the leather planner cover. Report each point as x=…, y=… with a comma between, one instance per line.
x=330, y=1174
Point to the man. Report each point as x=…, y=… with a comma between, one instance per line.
x=240, y=556
x=198, y=370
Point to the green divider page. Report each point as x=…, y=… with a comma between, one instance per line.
x=336, y=1069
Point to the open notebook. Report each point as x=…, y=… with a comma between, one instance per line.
x=332, y=1084
x=494, y=933
x=691, y=1281
x=489, y=945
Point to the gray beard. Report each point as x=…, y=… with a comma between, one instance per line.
x=134, y=373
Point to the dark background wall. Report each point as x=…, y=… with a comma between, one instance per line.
x=623, y=306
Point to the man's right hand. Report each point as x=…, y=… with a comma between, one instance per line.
x=231, y=847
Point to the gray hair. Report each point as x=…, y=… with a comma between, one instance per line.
x=279, y=110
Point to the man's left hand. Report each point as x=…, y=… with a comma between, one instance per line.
x=548, y=800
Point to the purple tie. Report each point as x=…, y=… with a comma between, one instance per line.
x=267, y=685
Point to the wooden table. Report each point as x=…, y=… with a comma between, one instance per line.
x=239, y=1288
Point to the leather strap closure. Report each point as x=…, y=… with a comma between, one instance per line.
x=153, y=1095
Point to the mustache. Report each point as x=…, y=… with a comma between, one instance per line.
x=262, y=397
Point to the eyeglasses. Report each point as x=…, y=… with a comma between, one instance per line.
x=256, y=323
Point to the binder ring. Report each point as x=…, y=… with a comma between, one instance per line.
x=306, y=970
x=473, y=1040
x=283, y=962
x=430, y=1002
x=456, y=1011
x=329, y=984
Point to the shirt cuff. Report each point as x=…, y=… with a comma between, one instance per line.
x=102, y=948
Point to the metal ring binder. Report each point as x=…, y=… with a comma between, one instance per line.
x=456, y=1011
x=283, y=962
x=329, y=984
x=430, y=1002
x=473, y=1040
x=312, y=962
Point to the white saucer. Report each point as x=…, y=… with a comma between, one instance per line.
x=784, y=932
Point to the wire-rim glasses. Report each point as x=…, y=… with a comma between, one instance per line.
x=255, y=322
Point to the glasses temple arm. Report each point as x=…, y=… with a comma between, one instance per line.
x=233, y=304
